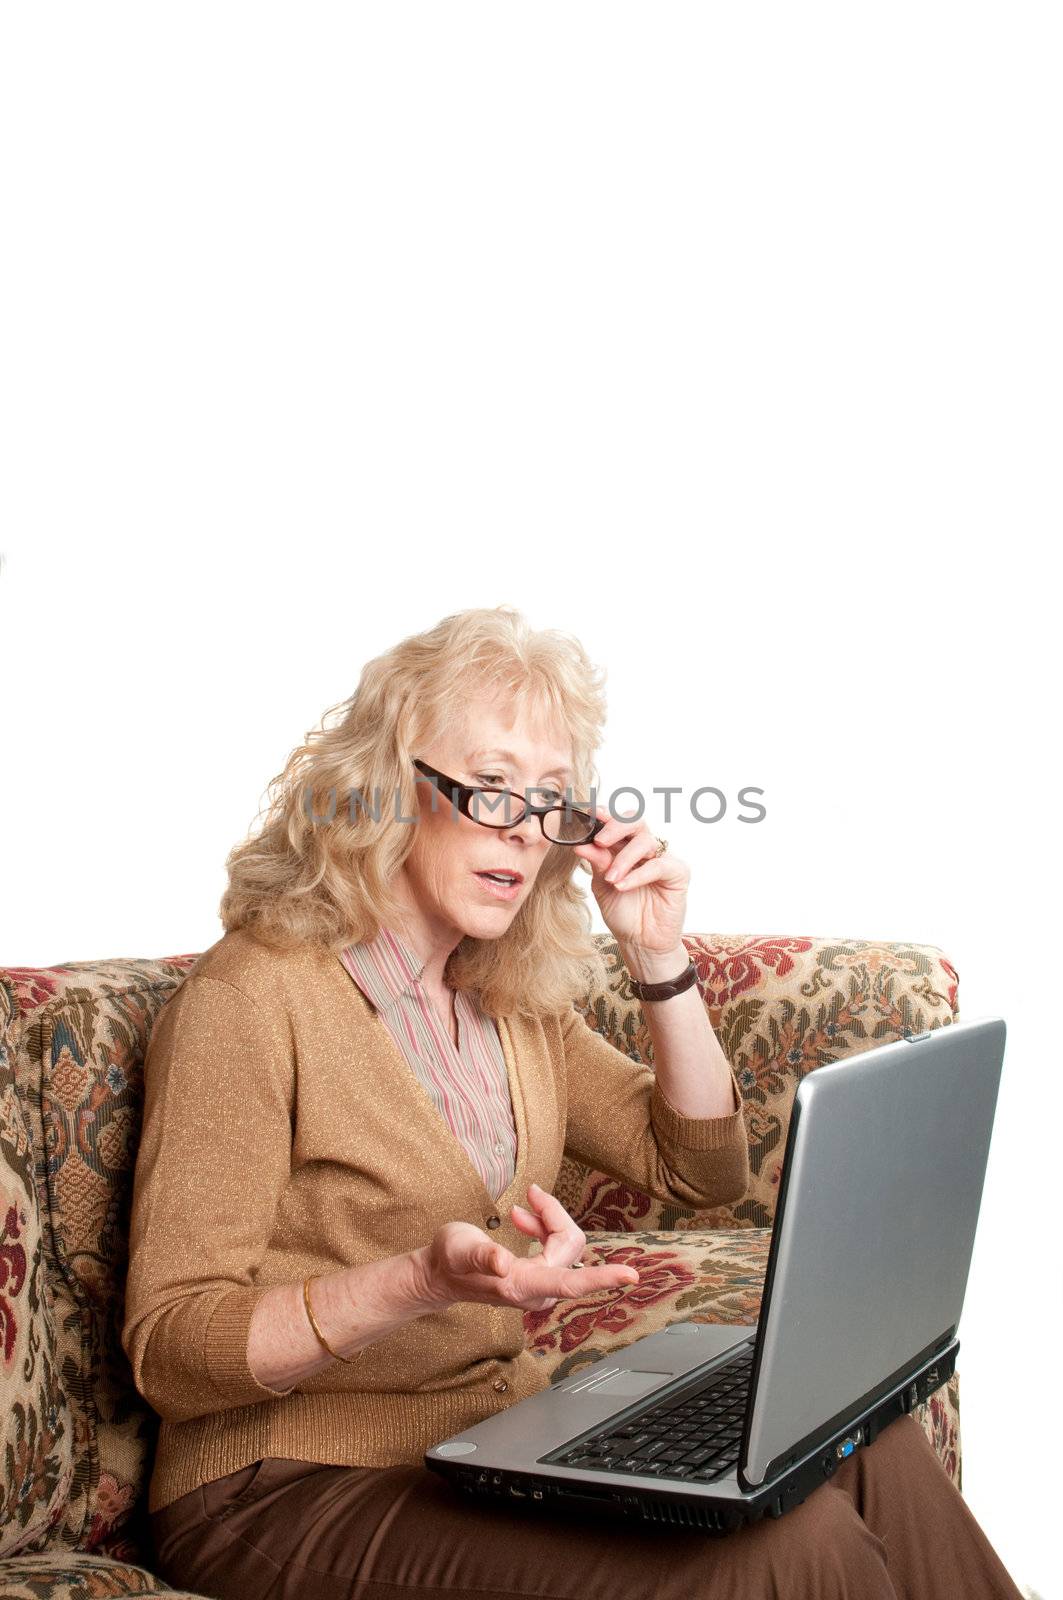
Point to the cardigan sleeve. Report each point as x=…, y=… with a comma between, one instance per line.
x=620, y=1122
x=213, y=1157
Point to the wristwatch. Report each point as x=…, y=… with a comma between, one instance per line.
x=665, y=991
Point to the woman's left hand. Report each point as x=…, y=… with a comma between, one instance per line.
x=647, y=907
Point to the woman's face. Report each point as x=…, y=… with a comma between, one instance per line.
x=444, y=869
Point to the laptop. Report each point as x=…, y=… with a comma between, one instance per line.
x=708, y=1426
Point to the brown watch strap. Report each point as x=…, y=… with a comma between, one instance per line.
x=665, y=991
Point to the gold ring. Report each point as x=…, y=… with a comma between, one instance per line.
x=662, y=846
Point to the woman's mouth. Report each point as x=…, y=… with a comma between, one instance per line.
x=503, y=885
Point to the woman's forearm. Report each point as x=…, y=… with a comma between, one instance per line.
x=353, y=1307
x=690, y=1064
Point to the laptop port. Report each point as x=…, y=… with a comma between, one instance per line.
x=521, y=1494
x=846, y=1448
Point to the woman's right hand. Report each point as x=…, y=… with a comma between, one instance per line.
x=465, y=1263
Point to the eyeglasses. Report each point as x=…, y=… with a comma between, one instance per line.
x=561, y=824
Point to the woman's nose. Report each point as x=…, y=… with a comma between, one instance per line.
x=527, y=829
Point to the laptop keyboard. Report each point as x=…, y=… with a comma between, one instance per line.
x=696, y=1436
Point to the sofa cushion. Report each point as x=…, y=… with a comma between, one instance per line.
x=688, y=1275
x=72, y=1575
x=36, y=1427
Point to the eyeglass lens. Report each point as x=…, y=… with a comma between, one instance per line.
x=501, y=808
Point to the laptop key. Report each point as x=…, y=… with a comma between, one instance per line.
x=628, y=1447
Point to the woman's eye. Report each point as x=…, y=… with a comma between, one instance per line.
x=547, y=796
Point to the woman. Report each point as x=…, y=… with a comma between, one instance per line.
x=355, y=1109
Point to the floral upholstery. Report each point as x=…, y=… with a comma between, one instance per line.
x=35, y=1418
x=779, y=1007
x=78, y=1437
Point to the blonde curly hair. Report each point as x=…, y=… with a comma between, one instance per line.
x=297, y=881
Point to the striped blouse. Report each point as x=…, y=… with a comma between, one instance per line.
x=469, y=1084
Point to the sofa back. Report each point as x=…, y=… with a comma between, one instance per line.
x=74, y=1039
x=779, y=1006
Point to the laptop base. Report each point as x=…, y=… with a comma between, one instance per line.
x=673, y=1504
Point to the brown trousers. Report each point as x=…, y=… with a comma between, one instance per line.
x=888, y=1524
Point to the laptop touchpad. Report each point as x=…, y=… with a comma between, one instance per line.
x=628, y=1382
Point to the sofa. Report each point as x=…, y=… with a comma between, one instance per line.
x=78, y=1438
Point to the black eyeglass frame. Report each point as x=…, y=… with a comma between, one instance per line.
x=460, y=794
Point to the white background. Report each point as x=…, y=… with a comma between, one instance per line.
x=728, y=339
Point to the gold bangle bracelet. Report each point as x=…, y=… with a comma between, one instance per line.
x=313, y=1322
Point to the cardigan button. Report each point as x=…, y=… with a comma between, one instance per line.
x=501, y=1385
x=494, y=1222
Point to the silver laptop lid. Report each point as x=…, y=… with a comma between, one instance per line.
x=885, y=1162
